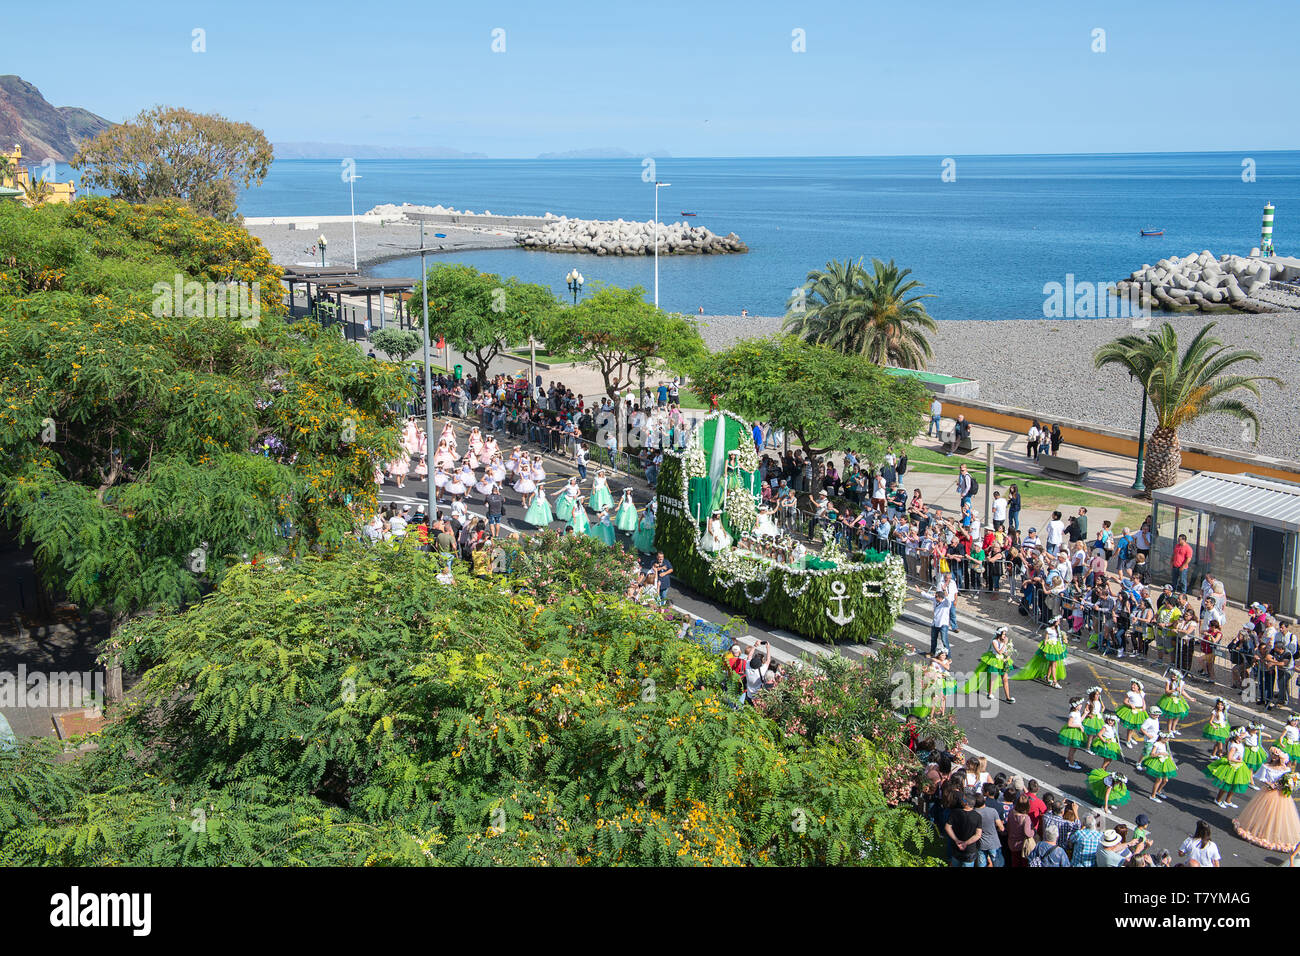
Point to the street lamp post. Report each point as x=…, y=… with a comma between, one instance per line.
x=352, y=178
x=1138, y=484
x=321, y=241
x=658, y=186
x=575, y=280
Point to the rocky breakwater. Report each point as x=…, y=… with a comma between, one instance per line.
x=623, y=238
x=1191, y=282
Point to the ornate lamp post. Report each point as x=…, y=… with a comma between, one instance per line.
x=575, y=279
x=321, y=241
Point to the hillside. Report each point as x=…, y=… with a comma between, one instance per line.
x=44, y=131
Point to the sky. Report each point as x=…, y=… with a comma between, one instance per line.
x=701, y=78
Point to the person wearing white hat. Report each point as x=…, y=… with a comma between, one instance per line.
x=1110, y=853
x=1150, y=732
x=1159, y=766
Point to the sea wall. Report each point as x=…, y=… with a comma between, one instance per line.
x=552, y=233
x=1200, y=281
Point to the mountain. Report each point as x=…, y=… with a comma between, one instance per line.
x=604, y=152
x=43, y=131
x=352, y=151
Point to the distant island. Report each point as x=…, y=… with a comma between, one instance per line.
x=604, y=152
x=354, y=151
x=43, y=131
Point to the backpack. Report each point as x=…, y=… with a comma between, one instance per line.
x=974, y=487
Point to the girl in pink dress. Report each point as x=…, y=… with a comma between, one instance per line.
x=398, y=470
x=449, y=436
x=444, y=457
x=410, y=440
x=421, y=469
x=490, y=450
x=475, y=442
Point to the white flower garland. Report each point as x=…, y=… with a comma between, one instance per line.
x=741, y=510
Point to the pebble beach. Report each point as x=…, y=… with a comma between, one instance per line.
x=1046, y=366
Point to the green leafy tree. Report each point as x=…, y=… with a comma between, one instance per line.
x=624, y=336
x=828, y=400
x=151, y=439
x=172, y=153
x=355, y=710
x=876, y=314
x=1182, y=386
x=481, y=314
x=401, y=344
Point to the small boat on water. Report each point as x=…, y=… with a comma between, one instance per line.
x=1151, y=232
x=688, y=214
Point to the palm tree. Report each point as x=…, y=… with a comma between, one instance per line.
x=36, y=192
x=1182, y=388
x=872, y=314
x=6, y=168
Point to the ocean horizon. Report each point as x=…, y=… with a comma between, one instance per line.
x=988, y=236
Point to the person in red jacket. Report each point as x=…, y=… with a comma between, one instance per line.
x=1182, y=560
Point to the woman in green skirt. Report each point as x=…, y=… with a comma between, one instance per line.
x=1106, y=744
x=1173, y=704
x=1109, y=789
x=1289, y=741
x=996, y=663
x=1049, y=661
x=1072, y=736
x=569, y=495
x=1230, y=773
x=539, y=512
x=1254, y=755
x=644, y=539
x=1093, y=712
x=1217, y=729
x=1133, y=712
x=625, y=517
x=602, y=529
x=578, y=521
x=1159, y=766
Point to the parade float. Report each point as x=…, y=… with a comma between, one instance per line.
x=710, y=528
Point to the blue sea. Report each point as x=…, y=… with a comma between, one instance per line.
x=984, y=241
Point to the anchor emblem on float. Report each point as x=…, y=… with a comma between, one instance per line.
x=839, y=596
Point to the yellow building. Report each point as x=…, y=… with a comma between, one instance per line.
x=16, y=182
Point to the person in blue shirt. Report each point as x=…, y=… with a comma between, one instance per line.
x=758, y=437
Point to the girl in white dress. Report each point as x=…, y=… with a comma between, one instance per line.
x=467, y=472
x=497, y=470
x=440, y=479
x=766, y=525
x=539, y=472
x=454, y=486
x=512, y=463
x=379, y=476
x=484, y=485
x=715, y=536
x=421, y=469
x=421, y=441
x=524, y=484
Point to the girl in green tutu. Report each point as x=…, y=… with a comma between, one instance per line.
x=1132, y=713
x=1173, y=704
x=1254, y=756
x=602, y=529
x=1048, y=662
x=996, y=663
x=1230, y=773
x=1289, y=741
x=1093, y=712
x=625, y=517
x=1108, y=789
x=1106, y=744
x=578, y=522
x=600, y=497
x=539, y=512
x=1072, y=736
x=644, y=539
x=569, y=495
x=1217, y=728
x=1159, y=766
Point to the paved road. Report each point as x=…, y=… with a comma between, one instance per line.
x=1019, y=738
